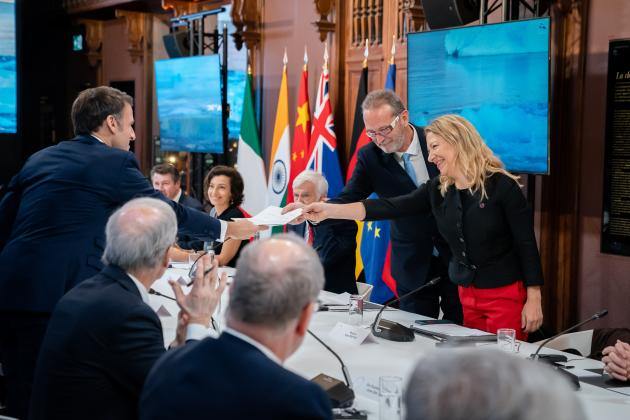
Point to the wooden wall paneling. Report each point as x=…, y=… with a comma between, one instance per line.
x=559, y=239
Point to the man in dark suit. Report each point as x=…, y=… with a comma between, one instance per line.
x=395, y=163
x=334, y=240
x=52, y=221
x=103, y=337
x=240, y=374
x=165, y=178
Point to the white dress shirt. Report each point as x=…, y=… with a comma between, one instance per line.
x=417, y=159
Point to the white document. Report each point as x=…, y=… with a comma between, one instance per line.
x=271, y=216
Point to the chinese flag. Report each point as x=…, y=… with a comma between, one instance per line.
x=301, y=134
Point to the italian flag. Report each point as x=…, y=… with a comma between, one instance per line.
x=249, y=157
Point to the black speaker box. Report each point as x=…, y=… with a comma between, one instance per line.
x=177, y=44
x=448, y=13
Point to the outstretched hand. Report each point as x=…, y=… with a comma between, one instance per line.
x=243, y=229
x=294, y=206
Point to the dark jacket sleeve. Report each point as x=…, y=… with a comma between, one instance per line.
x=415, y=202
x=338, y=240
x=519, y=219
x=360, y=185
x=139, y=344
x=191, y=222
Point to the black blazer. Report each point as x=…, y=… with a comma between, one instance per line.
x=335, y=243
x=53, y=216
x=101, y=342
x=232, y=212
x=412, y=237
x=492, y=242
x=228, y=378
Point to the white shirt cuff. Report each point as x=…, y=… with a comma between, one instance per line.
x=196, y=332
x=224, y=226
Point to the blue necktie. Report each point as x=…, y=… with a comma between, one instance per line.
x=409, y=168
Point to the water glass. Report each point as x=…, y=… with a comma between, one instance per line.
x=506, y=339
x=355, y=310
x=390, y=396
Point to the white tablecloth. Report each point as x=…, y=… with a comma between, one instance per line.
x=378, y=357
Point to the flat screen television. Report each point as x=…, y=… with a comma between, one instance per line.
x=496, y=76
x=189, y=104
x=8, y=69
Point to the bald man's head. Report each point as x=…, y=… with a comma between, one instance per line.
x=275, y=279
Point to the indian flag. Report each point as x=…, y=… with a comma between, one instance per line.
x=249, y=157
x=280, y=163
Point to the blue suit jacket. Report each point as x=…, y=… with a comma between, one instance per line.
x=53, y=216
x=335, y=242
x=101, y=342
x=227, y=378
x=412, y=237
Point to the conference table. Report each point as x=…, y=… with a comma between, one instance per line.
x=376, y=357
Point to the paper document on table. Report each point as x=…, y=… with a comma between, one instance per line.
x=451, y=330
x=272, y=216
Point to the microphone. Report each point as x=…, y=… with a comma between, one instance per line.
x=341, y=395
x=152, y=291
x=597, y=315
x=394, y=331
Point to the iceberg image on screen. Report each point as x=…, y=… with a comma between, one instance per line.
x=496, y=76
x=8, y=72
x=189, y=104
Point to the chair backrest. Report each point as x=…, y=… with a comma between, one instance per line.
x=365, y=290
x=580, y=341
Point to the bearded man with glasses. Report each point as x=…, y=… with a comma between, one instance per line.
x=395, y=163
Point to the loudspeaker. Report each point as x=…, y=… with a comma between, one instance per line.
x=177, y=44
x=448, y=13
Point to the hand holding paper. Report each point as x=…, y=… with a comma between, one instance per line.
x=273, y=216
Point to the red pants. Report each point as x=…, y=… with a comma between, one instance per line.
x=491, y=309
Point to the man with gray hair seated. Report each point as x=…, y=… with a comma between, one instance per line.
x=103, y=337
x=240, y=374
x=334, y=240
x=472, y=384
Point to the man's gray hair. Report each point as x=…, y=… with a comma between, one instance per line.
x=139, y=234
x=320, y=182
x=275, y=279
x=477, y=385
x=378, y=98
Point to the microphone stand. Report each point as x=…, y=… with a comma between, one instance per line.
x=341, y=395
x=394, y=331
x=598, y=315
x=549, y=358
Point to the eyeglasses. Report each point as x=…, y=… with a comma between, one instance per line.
x=383, y=131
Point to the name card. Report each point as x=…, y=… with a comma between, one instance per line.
x=349, y=334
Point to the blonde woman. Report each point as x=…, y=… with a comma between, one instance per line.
x=481, y=212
